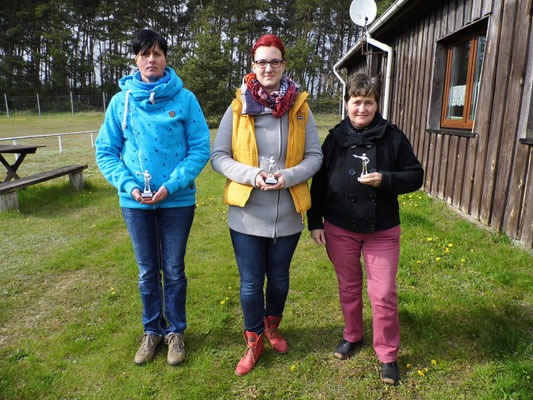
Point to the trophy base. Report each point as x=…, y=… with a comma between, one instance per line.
x=271, y=180
x=147, y=195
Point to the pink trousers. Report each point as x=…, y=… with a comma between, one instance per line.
x=381, y=252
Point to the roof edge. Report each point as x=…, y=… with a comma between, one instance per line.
x=393, y=9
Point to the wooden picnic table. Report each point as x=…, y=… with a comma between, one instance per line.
x=22, y=151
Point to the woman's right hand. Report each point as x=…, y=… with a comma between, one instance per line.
x=260, y=180
x=136, y=194
x=318, y=236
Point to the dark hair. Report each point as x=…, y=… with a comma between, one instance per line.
x=146, y=40
x=362, y=85
x=269, y=40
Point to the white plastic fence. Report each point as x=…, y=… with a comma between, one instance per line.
x=59, y=135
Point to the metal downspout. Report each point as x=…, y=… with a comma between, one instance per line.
x=388, y=76
x=339, y=77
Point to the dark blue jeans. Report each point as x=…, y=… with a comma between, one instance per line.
x=159, y=240
x=256, y=257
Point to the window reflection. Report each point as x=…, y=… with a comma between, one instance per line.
x=477, y=74
x=458, y=81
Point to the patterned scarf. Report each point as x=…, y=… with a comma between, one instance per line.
x=279, y=101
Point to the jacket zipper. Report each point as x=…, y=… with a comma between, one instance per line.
x=278, y=194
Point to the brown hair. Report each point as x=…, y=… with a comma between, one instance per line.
x=362, y=85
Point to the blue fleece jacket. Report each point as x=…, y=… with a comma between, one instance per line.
x=156, y=128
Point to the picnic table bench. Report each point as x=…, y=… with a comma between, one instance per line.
x=8, y=190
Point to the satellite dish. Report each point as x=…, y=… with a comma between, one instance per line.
x=363, y=12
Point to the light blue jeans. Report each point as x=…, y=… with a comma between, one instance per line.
x=159, y=240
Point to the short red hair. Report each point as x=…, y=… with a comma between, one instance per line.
x=269, y=40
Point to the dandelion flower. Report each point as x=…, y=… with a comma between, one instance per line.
x=463, y=260
x=222, y=302
x=408, y=365
x=293, y=367
x=227, y=298
x=434, y=362
x=446, y=250
x=429, y=239
x=421, y=373
x=418, y=261
x=229, y=287
x=450, y=244
x=471, y=251
x=426, y=370
x=437, y=258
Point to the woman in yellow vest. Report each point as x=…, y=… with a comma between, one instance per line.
x=267, y=147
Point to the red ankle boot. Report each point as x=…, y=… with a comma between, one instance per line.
x=253, y=352
x=278, y=343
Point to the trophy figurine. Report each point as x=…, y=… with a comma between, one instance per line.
x=147, y=193
x=365, y=160
x=271, y=179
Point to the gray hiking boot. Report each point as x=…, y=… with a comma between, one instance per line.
x=148, y=347
x=176, y=349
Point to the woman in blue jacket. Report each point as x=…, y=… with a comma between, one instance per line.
x=152, y=145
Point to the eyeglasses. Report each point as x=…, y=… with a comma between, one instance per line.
x=273, y=63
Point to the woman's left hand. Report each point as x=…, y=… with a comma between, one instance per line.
x=372, y=179
x=161, y=194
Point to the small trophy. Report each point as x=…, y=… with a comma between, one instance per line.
x=147, y=193
x=365, y=160
x=271, y=179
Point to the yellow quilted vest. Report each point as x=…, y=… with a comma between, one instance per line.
x=244, y=149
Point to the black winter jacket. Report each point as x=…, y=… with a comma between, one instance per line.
x=336, y=194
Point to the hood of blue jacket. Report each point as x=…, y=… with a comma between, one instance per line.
x=162, y=92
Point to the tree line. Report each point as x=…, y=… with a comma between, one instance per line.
x=82, y=46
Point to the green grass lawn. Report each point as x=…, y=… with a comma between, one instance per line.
x=70, y=308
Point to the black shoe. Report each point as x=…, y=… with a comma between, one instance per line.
x=345, y=349
x=389, y=373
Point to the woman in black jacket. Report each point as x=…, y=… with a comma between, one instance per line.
x=367, y=164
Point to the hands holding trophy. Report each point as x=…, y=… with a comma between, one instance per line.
x=147, y=192
x=366, y=177
x=365, y=160
x=271, y=179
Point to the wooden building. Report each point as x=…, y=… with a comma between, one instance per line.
x=460, y=85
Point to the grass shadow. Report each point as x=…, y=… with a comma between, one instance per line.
x=53, y=199
x=479, y=332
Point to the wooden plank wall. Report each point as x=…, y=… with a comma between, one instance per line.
x=489, y=177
